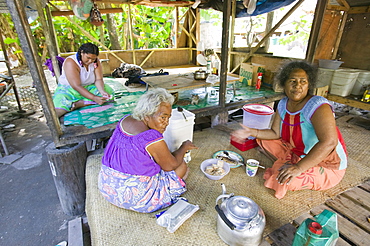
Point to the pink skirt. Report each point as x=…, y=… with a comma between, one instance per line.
x=315, y=178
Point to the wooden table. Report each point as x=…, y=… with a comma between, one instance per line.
x=181, y=82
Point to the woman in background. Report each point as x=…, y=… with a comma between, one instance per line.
x=304, y=140
x=138, y=170
x=81, y=83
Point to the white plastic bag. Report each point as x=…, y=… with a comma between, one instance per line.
x=176, y=215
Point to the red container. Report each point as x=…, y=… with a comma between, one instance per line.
x=248, y=144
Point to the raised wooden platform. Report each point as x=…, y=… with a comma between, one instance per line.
x=350, y=101
x=353, y=211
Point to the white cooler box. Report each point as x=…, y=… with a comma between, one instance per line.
x=179, y=129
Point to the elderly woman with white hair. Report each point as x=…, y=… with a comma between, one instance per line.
x=138, y=170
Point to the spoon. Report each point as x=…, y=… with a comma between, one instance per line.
x=228, y=155
x=182, y=111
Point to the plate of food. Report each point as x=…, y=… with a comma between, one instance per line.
x=230, y=157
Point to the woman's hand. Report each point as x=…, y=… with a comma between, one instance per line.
x=100, y=100
x=241, y=135
x=287, y=173
x=188, y=145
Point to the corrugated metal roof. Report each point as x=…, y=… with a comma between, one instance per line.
x=3, y=7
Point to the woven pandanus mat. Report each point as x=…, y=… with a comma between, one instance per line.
x=111, y=226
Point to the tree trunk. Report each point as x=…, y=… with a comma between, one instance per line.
x=68, y=169
x=113, y=37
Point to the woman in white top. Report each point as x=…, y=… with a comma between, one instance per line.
x=81, y=83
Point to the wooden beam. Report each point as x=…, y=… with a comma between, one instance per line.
x=315, y=30
x=339, y=36
x=232, y=35
x=147, y=57
x=75, y=232
x=344, y=3
x=18, y=14
x=176, y=29
x=49, y=39
x=349, y=101
x=336, y=7
x=359, y=10
x=70, y=12
x=131, y=35
x=224, y=51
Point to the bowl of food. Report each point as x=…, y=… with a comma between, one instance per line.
x=214, y=169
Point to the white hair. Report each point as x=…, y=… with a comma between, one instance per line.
x=149, y=103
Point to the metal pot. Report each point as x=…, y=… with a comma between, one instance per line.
x=200, y=74
x=240, y=220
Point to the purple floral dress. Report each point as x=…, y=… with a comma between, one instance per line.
x=130, y=178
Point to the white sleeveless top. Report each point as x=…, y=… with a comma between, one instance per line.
x=87, y=76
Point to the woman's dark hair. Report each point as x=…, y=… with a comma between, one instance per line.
x=288, y=68
x=87, y=48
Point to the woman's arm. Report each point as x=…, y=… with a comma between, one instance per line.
x=167, y=160
x=99, y=82
x=324, y=124
x=273, y=133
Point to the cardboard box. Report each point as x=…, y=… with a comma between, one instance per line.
x=269, y=81
x=248, y=73
x=321, y=91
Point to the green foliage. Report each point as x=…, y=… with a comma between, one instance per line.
x=211, y=15
x=152, y=27
x=301, y=31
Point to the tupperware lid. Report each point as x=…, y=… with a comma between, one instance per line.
x=258, y=109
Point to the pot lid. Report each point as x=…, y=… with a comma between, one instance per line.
x=200, y=71
x=242, y=207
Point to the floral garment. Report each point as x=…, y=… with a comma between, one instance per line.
x=140, y=193
x=298, y=137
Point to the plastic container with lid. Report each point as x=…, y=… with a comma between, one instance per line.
x=362, y=81
x=343, y=82
x=257, y=116
x=324, y=77
x=179, y=129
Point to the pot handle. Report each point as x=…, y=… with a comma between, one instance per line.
x=224, y=218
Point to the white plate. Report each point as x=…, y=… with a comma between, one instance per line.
x=201, y=59
x=233, y=155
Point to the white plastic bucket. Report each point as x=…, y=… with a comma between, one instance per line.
x=362, y=81
x=343, y=82
x=179, y=129
x=257, y=116
x=324, y=77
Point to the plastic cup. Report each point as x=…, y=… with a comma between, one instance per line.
x=252, y=167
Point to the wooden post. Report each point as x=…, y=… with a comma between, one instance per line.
x=224, y=52
x=67, y=166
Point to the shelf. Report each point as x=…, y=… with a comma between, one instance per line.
x=350, y=101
